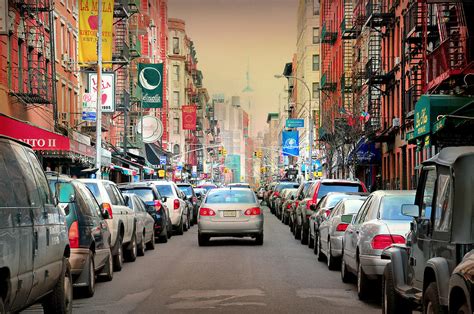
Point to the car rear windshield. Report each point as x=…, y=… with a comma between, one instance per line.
x=391, y=207
x=282, y=186
x=144, y=193
x=231, y=197
x=325, y=188
x=95, y=190
x=208, y=187
x=165, y=190
x=188, y=190
x=352, y=206
x=332, y=200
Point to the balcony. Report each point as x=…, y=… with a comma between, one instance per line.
x=121, y=9
x=328, y=37
x=348, y=29
x=121, y=52
x=135, y=48
x=410, y=98
x=32, y=86
x=382, y=72
x=378, y=14
x=134, y=6
x=327, y=84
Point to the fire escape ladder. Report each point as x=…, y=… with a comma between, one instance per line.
x=373, y=70
x=121, y=52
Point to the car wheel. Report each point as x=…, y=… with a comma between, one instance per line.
x=180, y=230
x=150, y=245
x=310, y=241
x=297, y=232
x=141, y=246
x=60, y=299
x=315, y=246
x=331, y=260
x=431, y=303
x=2, y=306
x=463, y=309
x=346, y=276
x=131, y=252
x=163, y=238
x=362, y=283
x=392, y=303
x=186, y=224
x=259, y=239
x=320, y=253
x=108, y=271
x=203, y=240
x=118, y=259
x=304, y=235
x=89, y=289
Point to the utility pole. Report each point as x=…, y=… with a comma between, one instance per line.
x=98, y=143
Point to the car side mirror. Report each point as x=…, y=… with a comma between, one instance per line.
x=164, y=199
x=347, y=219
x=292, y=198
x=411, y=210
x=126, y=199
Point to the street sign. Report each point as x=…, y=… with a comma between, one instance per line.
x=89, y=116
x=294, y=123
x=162, y=160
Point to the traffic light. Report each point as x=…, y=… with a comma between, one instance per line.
x=259, y=154
x=255, y=154
x=220, y=150
x=224, y=152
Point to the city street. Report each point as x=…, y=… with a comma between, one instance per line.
x=231, y=276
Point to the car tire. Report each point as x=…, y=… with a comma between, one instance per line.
x=259, y=239
x=297, y=232
x=320, y=253
x=163, y=238
x=431, y=302
x=346, y=276
x=331, y=260
x=118, y=258
x=304, y=235
x=60, y=299
x=392, y=302
x=203, y=240
x=89, y=290
x=108, y=271
x=141, y=246
x=2, y=306
x=150, y=245
x=186, y=225
x=363, y=283
x=315, y=247
x=131, y=252
x=310, y=241
x=180, y=229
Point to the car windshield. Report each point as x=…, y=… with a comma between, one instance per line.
x=230, y=196
x=325, y=188
x=332, y=200
x=95, y=190
x=145, y=194
x=391, y=207
x=352, y=206
x=187, y=189
x=165, y=190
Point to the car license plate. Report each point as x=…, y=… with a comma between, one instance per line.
x=229, y=213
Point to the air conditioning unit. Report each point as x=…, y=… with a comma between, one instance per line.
x=396, y=122
x=64, y=60
x=397, y=61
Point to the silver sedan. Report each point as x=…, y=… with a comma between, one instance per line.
x=230, y=212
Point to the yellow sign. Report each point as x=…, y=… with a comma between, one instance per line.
x=161, y=173
x=88, y=26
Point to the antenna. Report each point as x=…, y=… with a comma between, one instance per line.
x=248, y=89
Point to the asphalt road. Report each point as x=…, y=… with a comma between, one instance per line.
x=229, y=276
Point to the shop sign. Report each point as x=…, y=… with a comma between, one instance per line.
x=422, y=118
x=107, y=91
x=89, y=107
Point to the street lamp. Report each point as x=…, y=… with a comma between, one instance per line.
x=310, y=119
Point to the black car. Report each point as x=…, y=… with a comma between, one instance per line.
x=155, y=206
x=461, y=285
x=89, y=235
x=191, y=197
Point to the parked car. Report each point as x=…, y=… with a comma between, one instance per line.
x=33, y=235
x=269, y=190
x=442, y=233
x=207, y=186
x=144, y=223
x=461, y=284
x=287, y=206
x=191, y=197
x=322, y=211
x=276, y=193
x=318, y=189
x=200, y=194
x=331, y=230
x=260, y=193
x=239, y=185
x=378, y=224
x=121, y=220
x=285, y=194
x=155, y=206
x=176, y=204
x=89, y=234
x=230, y=212
x=301, y=194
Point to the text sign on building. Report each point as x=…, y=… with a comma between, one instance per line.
x=89, y=107
x=150, y=79
x=294, y=123
x=108, y=90
x=3, y=17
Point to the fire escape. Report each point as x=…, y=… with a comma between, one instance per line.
x=32, y=70
x=328, y=81
x=192, y=141
x=348, y=36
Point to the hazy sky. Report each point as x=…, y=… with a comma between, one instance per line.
x=229, y=34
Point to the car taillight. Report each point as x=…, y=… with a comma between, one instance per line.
x=108, y=208
x=74, y=235
x=157, y=206
x=382, y=241
x=342, y=227
x=254, y=211
x=276, y=194
x=328, y=212
x=176, y=204
x=308, y=203
x=288, y=206
x=206, y=212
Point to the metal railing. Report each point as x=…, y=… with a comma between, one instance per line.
x=31, y=85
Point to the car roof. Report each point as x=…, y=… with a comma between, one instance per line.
x=449, y=155
x=54, y=175
x=95, y=181
x=338, y=181
x=136, y=185
x=4, y=137
x=184, y=184
x=393, y=192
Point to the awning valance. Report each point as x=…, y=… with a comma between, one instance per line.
x=365, y=153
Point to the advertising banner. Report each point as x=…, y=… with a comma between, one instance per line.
x=108, y=91
x=150, y=80
x=290, y=141
x=88, y=26
x=189, y=117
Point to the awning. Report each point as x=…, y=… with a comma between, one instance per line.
x=125, y=171
x=156, y=155
x=365, y=153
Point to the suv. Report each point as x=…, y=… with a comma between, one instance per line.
x=121, y=220
x=307, y=206
x=155, y=206
x=89, y=234
x=191, y=197
x=442, y=233
x=34, y=264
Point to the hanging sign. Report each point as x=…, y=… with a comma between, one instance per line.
x=108, y=91
x=150, y=79
x=88, y=26
x=152, y=129
x=189, y=117
x=290, y=141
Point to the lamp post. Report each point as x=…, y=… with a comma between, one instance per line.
x=310, y=119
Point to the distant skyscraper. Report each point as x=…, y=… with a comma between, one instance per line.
x=248, y=89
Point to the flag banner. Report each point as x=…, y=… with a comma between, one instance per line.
x=150, y=80
x=291, y=145
x=189, y=117
x=88, y=26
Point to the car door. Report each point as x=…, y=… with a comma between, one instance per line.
x=351, y=236
x=128, y=212
x=16, y=224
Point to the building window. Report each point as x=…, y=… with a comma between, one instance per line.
x=315, y=90
x=175, y=125
x=176, y=73
x=315, y=62
x=176, y=99
x=175, y=45
x=315, y=35
x=315, y=7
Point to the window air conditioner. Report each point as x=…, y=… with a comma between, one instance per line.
x=396, y=122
